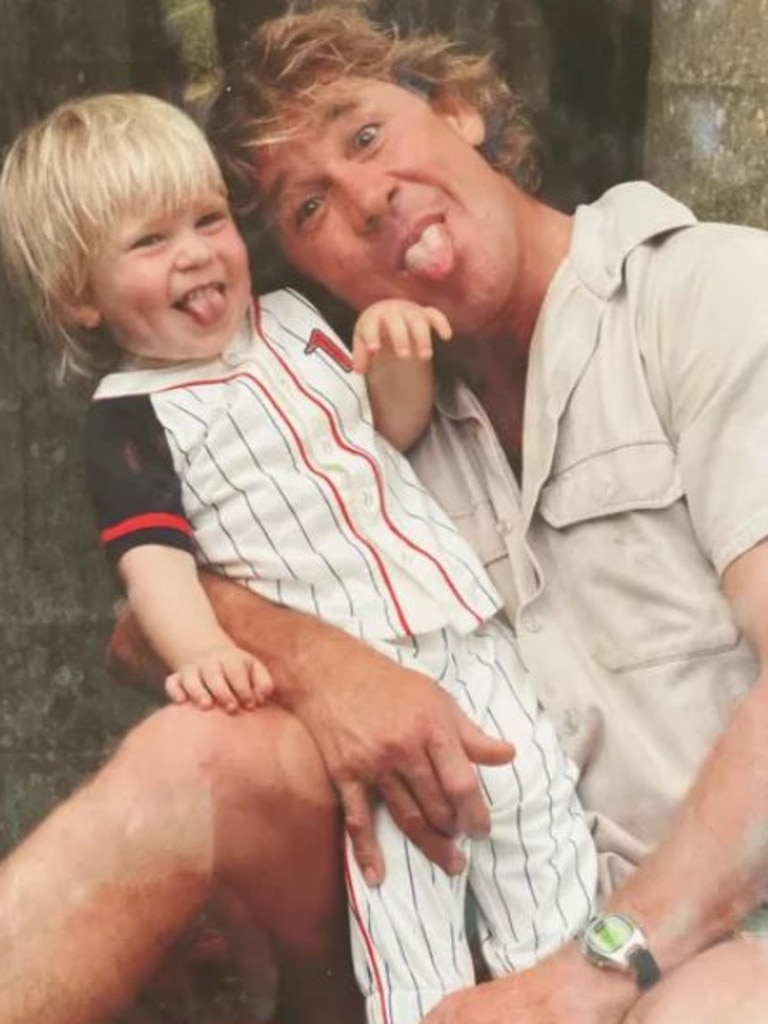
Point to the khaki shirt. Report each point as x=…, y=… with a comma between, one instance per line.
x=645, y=474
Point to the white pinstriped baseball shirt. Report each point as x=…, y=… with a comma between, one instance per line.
x=265, y=464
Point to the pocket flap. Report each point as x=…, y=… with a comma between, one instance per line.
x=636, y=476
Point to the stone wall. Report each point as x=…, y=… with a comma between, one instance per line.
x=708, y=106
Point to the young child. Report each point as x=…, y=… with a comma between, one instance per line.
x=236, y=435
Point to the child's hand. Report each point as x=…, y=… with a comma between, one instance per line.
x=225, y=676
x=396, y=329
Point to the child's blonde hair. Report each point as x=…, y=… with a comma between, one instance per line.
x=66, y=183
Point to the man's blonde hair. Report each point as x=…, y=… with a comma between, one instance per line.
x=67, y=182
x=268, y=90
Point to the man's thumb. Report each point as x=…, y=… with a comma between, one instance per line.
x=481, y=748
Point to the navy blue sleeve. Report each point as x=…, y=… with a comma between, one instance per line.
x=134, y=487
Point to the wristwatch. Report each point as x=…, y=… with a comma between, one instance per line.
x=615, y=940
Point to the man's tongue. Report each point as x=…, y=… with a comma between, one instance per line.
x=432, y=255
x=204, y=305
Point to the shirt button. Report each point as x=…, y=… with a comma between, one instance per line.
x=530, y=622
x=505, y=527
x=570, y=724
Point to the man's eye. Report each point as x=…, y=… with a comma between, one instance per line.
x=147, y=241
x=306, y=210
x=366, y=136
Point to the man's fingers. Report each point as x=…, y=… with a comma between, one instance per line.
x=358, y=820
x=440, y=848
x=421, y=795
x=459, y=782
x=482, y=748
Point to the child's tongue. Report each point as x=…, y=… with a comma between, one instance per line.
x=204, y=305
x=432, y=255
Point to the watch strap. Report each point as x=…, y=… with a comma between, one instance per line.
x=645, y=968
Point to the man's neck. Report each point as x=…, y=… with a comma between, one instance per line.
x=495, y=365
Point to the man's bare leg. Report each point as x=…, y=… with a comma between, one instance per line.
x=94, y=897
x=727, y=984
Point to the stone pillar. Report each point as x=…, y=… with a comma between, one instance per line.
x=707, y=135
x=57, y=709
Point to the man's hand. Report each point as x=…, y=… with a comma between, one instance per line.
x=380, y=728
x=563, y=989
x=385, y=729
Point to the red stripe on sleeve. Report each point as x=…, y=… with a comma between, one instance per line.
x=147, y=521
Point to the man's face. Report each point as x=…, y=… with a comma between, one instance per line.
x=384, y=195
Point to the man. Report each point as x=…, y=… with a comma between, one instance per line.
x=594, y=347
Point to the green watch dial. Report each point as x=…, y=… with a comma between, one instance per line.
x=611, y=933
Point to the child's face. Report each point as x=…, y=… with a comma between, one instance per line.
x=171, y=287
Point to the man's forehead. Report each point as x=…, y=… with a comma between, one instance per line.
x=329, y=104
x=330, y=101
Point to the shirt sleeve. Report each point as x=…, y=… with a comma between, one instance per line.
x=713, y=335
x=134, y=487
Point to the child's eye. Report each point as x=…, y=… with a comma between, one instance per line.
x=367, y=135
x=147, y=241
x=211, y=218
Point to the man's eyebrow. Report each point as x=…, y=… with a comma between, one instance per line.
x=337, y=110
x=326, y=117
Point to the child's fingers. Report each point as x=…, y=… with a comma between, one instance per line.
x=439, y=322
x=175, y=690
x=421, y=336
x=361, y=355
x=261, y=681
x=238, y=677
x=215, y=682
x=398, y=332
x=187, y=682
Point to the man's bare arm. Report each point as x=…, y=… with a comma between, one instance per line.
x=379, y=727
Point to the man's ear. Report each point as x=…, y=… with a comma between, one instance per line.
x=465, y=119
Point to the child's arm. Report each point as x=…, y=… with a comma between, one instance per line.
x=173, y=611
x=392, y=345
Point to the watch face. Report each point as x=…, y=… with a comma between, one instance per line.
x=610, y=933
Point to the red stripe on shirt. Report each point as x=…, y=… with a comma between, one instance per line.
x=366, y=938
x=344, y=445
x=146, y=521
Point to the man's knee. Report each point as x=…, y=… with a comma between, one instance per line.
x=265, y=755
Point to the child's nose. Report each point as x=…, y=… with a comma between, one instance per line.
x=192, y=251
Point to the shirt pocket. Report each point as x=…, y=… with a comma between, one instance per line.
x=624, y=549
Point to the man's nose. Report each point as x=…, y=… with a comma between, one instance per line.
x=367, y=192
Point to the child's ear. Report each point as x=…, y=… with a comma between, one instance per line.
x=81, y=314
